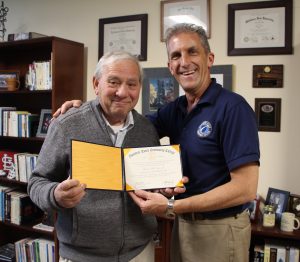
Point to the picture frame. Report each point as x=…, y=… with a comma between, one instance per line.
x=279, y=198
x=294, y=205
x=223, y=75
x=268, y=114
x=254, y=209
x=5, y=74
x=159, y=88
x=260, y=28
x=128, y=33
x=186, y=11
x=44, y=122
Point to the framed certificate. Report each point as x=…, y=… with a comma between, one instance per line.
x=127, y=33
x=184, y=11
x=260, y=28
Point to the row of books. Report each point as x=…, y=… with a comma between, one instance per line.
x=16, y=206
x=35, y=250
x=39, y=76
x=17, y=123
x=275, y=252
x=17, y=166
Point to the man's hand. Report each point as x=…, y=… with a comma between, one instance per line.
x=150, y=203
x=69, y=193
x=66, y=106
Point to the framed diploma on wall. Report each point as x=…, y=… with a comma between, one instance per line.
x=127, y=33
x=260, y=28
x=184, y=11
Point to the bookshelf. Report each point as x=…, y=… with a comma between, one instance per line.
x=67, y=83
x=260, y=234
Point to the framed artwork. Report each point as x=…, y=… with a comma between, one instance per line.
x=184, y=11
x=268, y=114
x=7, y=74
x=254, y=209
x=260, y=28
x=128, y=33
x=294, y=205
x=159, y=88
x=223, y=75
x=45, y=119
x=279, y=199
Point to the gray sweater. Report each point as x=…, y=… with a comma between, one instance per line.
x=106, y=225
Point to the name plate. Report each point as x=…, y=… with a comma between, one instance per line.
x=268, y=76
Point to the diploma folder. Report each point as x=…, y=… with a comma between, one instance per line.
x=125, y=169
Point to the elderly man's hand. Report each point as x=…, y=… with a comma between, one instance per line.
x=69, y=193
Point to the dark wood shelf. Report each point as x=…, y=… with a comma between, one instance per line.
x=275, y=232
x=28, y=228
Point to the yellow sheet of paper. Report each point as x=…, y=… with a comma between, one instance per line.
x=106, y=161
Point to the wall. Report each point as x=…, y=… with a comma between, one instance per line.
x=78, y=20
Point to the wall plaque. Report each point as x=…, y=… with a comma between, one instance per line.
x=268, y=76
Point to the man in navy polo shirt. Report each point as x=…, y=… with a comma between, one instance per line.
x=218, y=136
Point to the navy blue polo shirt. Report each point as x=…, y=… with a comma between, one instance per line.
x=217, y=136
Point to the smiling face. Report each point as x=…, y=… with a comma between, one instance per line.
x=118, y=89
x=189, y=63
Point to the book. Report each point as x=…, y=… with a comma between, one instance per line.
x=7, y=163
x=7, y=252
x=294, y=254
x=43, y=227
x=23, y=36
x=258, y=255
x=23, y=210
x=125, y=169
x=2, y=109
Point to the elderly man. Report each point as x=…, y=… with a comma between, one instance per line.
x=97, y=225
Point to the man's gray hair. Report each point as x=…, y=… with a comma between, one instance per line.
x=188, y=28
x=111, y=57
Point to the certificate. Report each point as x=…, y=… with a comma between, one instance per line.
x=112, y=168
x=260, y=28
x=123, y=36
x=126, y=33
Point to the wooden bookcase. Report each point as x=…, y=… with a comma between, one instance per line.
x=67, y=83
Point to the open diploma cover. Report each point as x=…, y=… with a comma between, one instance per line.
x=113, y=168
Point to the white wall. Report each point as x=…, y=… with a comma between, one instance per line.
x=78, y=20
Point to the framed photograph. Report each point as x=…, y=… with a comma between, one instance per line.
x=4, y=75
x=294, y=205
x=223, y=75
x=45, y=118
x=128, y=33
x=260, y=28
x=279, y=199
x=254, y=209
x=159, y=88
x=184, y=11
x=268, y=114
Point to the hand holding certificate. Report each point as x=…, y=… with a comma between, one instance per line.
x=111, y=168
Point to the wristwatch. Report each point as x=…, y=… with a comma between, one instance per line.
x=170, y=208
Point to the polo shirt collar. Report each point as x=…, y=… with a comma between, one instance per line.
x=209, y=96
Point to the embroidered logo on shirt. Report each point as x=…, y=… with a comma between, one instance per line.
x=204, y=129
